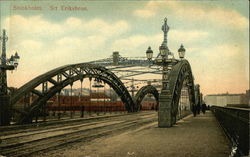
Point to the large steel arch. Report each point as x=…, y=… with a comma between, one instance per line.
x=66, y=75
x=149, y=89
x=180, y=73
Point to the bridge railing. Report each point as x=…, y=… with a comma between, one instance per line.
x=235, y=122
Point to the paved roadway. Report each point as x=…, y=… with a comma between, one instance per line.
x=199, y=136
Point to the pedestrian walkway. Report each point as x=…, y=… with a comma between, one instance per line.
x=199, y=136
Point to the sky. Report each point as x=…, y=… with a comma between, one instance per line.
x=214, y=33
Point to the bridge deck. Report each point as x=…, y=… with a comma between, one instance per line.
x=194, y=137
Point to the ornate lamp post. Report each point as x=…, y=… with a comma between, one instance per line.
x=6, y=64
x=149, y=53
x=165, y=118
x=181, y=52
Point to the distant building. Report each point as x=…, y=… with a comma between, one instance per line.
x=231, y=100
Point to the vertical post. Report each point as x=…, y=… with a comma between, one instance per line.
x=98, y=101
x=59, y=105
x=3, y=76
x=164, y=112
x=82, y=111
x=165, y=118
x=25, y=101
x=82, y=107
x=59, y=79
x=90, y=79
x=4, y=97
x=4, y=110
x=115, y=58
x=180, y=104
x=110, y=109
x=44, y=89
x=133, y=88
x=71, y=113
x=104, y=99
x=44, y=112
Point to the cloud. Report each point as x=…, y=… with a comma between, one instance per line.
x=136, y=44
x=187, y=36
x=76, y=49
x=32, y=26
x=139, y=42
x=224, y=59
x=151, y=8
x=221, y=17
x=221, y=68
x=38, y=27
x=97, y=26
x=105, y=28
x=145, y=13
x=31, y=45
x=189, y=11
x=44, y=45
x=74, y=23
x=37, y=31
x=131, y=42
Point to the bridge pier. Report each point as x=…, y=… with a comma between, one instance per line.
x=4, y=110
x=164, y=113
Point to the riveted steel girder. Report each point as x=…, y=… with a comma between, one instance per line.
x=149, y=89
x=180, y=72
x=71, y=74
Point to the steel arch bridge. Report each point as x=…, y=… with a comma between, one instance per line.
x=180, y=75
x=62, y=77
x=149, y=89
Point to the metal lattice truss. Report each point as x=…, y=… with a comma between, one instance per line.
x=149, y=89
x=132, y=70
x=180, y=76
x=55, y=80
x=181, y=73
x=62, y=77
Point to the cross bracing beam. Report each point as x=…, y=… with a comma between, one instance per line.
x=37, y=92
x=52, y=81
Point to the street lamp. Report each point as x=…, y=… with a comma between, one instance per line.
x=16, y=59
x=13, y=61
x=163, y=51
x=181, y=52
x=6, y=64
x=165, y=118
x=149, y=53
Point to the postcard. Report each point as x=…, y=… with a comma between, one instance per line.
x=124, y=78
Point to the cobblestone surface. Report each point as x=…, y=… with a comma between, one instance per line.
x=199, y=136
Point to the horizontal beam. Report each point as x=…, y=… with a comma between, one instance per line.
x=140, y=73
x=152, y=80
